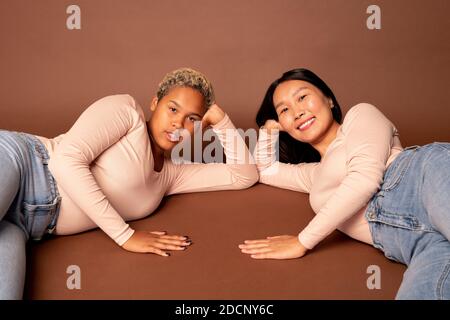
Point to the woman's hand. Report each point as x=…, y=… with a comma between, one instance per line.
x=272, y=125
x=279, y=247
x=155, y=242
x=212, y=116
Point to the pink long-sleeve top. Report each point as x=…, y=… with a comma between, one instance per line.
x=347, y=176
x=103, y=167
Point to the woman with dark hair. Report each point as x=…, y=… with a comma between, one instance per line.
x=291, y=149
x=112, y=167
x=360, y=179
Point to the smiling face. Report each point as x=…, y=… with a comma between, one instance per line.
x=177, y=110
x=303, y=111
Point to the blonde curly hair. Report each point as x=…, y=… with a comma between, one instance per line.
x=187, y=77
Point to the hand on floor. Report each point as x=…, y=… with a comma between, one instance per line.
x=279, y=247
x=155, y=242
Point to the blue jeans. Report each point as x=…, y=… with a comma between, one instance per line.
x=29, y=205
x=409, y=218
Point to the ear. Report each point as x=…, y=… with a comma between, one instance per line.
x=330, y=101
x=153, y=104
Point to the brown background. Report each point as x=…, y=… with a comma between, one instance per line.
x=50, y=74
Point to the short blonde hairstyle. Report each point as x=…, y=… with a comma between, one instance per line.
x=187, y=77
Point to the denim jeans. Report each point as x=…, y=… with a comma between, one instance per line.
x=29, y=205
x=409, y=218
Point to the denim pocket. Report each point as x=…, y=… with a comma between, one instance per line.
x=40, y=218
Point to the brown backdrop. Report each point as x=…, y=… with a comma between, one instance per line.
x=50, y=74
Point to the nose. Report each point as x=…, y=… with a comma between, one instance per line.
x=177, y=123
x=298, y=112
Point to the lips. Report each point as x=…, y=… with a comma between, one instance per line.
x=306, y=124
x=173, y=136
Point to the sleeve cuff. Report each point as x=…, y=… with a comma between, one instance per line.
x=124, y=237
x=304, y=241
x=225, y=123
x=264, y=133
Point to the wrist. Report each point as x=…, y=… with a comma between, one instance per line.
x=302, y=246
x=270, y=130
x=221, y=123
x=302, y=243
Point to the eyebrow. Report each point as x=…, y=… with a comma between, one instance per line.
x=191, y=114
x=295, y=92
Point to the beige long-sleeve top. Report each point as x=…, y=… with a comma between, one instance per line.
x=347, y=176
x=103, y=167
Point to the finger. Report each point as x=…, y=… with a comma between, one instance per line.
x=157, y=251
x=275, y=237
x=164, y=235
x=256, y=250
x=175, y=242
x=256, y=241
x=253, y=245
x=205, y=123
x=168, y=246
x=159, y=232
x=172, y=237
x=278, y=125
x=261, y=256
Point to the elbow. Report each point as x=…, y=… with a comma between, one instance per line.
x=252, y=177
x=260, y=167
x=255, y=177
x=248, y=179
x=265, y=168
x=265, y=171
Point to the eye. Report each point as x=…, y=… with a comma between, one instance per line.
x=283, y=110
x=302, y=97
x=192, y=119
x=174, y=110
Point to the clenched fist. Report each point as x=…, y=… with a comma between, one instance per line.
x=272, y=125
x=212, y=116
